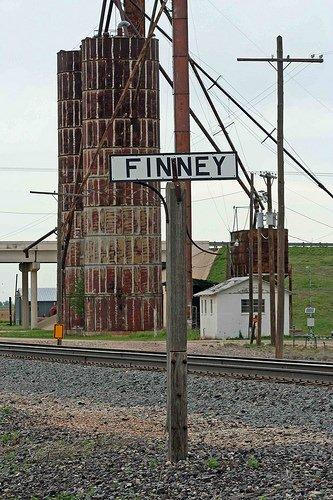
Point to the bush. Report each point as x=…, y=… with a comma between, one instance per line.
x=77, y=297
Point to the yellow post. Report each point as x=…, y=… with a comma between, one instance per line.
x=58, y=332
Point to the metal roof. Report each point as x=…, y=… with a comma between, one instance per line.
x=43, y=294
x=221, y=287
x=225, y=285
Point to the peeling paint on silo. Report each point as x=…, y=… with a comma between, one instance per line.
x=122, y=233
x=70, y=172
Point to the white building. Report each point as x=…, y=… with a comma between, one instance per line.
x=224, y=309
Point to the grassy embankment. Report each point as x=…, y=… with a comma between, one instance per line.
x=320, y=260
x=20, y=333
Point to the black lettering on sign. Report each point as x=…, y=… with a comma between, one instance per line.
x=165, y=167
x=218, y=163
x=182, y=165
x=130, y=167
x=148, y=168
x=199, y=165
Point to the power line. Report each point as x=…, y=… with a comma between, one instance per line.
x=226, y=224
x=26, y=226
x=260, y=49
x=314, y=97
x=27, y=169
x=27, y=213
x=215, y=197
x=236, y=27
x=300, y=239
x=324, y=235
x=309, y=199
x=267, y=146
x=307, y=217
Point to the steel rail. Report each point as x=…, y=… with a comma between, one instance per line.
x=120, y=351
x=298, y=371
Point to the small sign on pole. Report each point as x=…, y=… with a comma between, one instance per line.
x=310, y=321
x=166, y=167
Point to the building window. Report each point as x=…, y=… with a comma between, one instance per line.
x=245, y=305
x=211, y=306
x=205, y=306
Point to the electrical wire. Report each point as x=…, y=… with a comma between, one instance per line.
x=27, y=169
x=220, y=196
x=260, y=49
x=241, y=145
x=27, y=213
x=300, y=239
x=91, y=32
x=309, y=199
x=267, y=146
x=299, y=213
x=197, y=246
x=236, y=27
x=246, y=219
x=226, y=224
x=306, y=216
x=324, y=236
x=314, y=97
x=237, y=117
x=27, y=226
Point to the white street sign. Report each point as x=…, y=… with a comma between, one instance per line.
x=165, y=167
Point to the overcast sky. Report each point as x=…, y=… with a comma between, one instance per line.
x=220, y=31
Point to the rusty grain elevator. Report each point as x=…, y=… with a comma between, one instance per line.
x=114, y=243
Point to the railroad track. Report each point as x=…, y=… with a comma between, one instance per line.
x=292, y=371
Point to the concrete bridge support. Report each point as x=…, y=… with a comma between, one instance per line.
x=34, y=267
x=25, y=268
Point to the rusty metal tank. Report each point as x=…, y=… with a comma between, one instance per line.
x=122, y=229
x=239, y=261
x=69, y=173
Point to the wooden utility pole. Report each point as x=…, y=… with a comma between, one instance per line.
x=176, y=324
x=259, y=242
x=179, y=247
x=10, y=312
x=280, y=60
x=182, y=120
x=60, y=250
x=281, y=205
x=291, y=317
x=251, y=330
x=269, y=178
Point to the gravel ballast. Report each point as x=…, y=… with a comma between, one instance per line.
x=78, y=432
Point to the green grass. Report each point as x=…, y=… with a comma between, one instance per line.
x=253, y=462
x=213, y=463
x=218, y=271
x=9, y=437
x=5, y=410
x=320, y=259
x=18, y=332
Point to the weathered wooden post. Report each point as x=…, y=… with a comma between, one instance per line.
x=176, y=324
